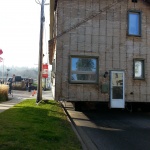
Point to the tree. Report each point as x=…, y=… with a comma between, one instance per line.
x=84, y=64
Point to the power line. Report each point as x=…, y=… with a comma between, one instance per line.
x=38, y=2
x=95, y=14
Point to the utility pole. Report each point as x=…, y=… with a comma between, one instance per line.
x=39, y=87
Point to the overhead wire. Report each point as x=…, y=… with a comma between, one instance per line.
x=94, y=14
x=46, y=43
x=38, y=2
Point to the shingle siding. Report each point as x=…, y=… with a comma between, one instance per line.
x=104, y=36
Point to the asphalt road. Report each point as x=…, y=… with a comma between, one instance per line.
x=25, y=94
x=112, y=129
x=120, y=130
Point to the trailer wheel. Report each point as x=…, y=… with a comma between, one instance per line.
x=145, y=107
x=129, y=107
x=77, y=106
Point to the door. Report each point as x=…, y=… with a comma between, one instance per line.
x=117, y=99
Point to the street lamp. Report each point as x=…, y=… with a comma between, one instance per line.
x=7, y=74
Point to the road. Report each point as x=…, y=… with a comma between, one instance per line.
x=25, y=94
x=112, y=129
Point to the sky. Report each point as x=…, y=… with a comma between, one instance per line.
x=20, y=32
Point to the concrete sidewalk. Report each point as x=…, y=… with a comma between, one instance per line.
x=80, y=121
x=8, y=104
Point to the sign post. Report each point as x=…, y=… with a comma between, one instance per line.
x=2, y=60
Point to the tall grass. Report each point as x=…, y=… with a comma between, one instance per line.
x=3, y=92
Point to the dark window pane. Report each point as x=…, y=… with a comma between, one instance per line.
x=117, y=92
x=83, y=64
x=83, y=70
x=83, y=77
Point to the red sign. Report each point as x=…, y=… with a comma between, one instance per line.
x=1, y=52
x=45, y=71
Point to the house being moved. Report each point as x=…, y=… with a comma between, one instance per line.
x=100, y=51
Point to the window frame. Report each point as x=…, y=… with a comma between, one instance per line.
x=140, y=23
x=84, y=82
x=143, y=69
x=54, y=66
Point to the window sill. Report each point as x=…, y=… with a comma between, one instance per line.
x=77, y=82
x=138, y=78
x=133, y=35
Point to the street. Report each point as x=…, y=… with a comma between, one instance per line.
x=25, y=94
x=112, y=129
x=120, y=130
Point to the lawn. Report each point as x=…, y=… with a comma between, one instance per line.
x=28, y=126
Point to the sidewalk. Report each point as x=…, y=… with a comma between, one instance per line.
x=17, y=98
x=8, y=104
x=82, y=125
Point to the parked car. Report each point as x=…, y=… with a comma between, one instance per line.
x=17, y=79
x=9, y=79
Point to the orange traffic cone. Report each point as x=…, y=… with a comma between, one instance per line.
x=34, y=92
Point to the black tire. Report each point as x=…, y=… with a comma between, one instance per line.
x=77, y=106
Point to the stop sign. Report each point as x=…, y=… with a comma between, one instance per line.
x=45, y=71
x=1, y=52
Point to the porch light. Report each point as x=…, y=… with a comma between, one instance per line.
x=105, y=74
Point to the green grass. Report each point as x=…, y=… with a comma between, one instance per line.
x=28, y=126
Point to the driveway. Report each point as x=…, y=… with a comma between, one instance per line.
x=112, y=129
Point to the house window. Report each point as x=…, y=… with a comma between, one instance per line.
x=138, y=68
x=84, y=70
x=134, y=23
x=53, y=66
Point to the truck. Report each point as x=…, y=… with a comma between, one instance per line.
x=19, y=79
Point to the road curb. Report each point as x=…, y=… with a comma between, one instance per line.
x=86, y=142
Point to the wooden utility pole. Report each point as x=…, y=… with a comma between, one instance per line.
x=39, y=87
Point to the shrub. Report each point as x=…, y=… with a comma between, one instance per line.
x=4, y=92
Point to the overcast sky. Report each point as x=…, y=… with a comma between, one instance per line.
x=19, y=32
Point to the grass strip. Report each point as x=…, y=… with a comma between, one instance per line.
x=28, y=126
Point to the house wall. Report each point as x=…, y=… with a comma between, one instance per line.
x=104, y=36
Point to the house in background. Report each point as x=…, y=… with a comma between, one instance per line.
x=100, y=52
